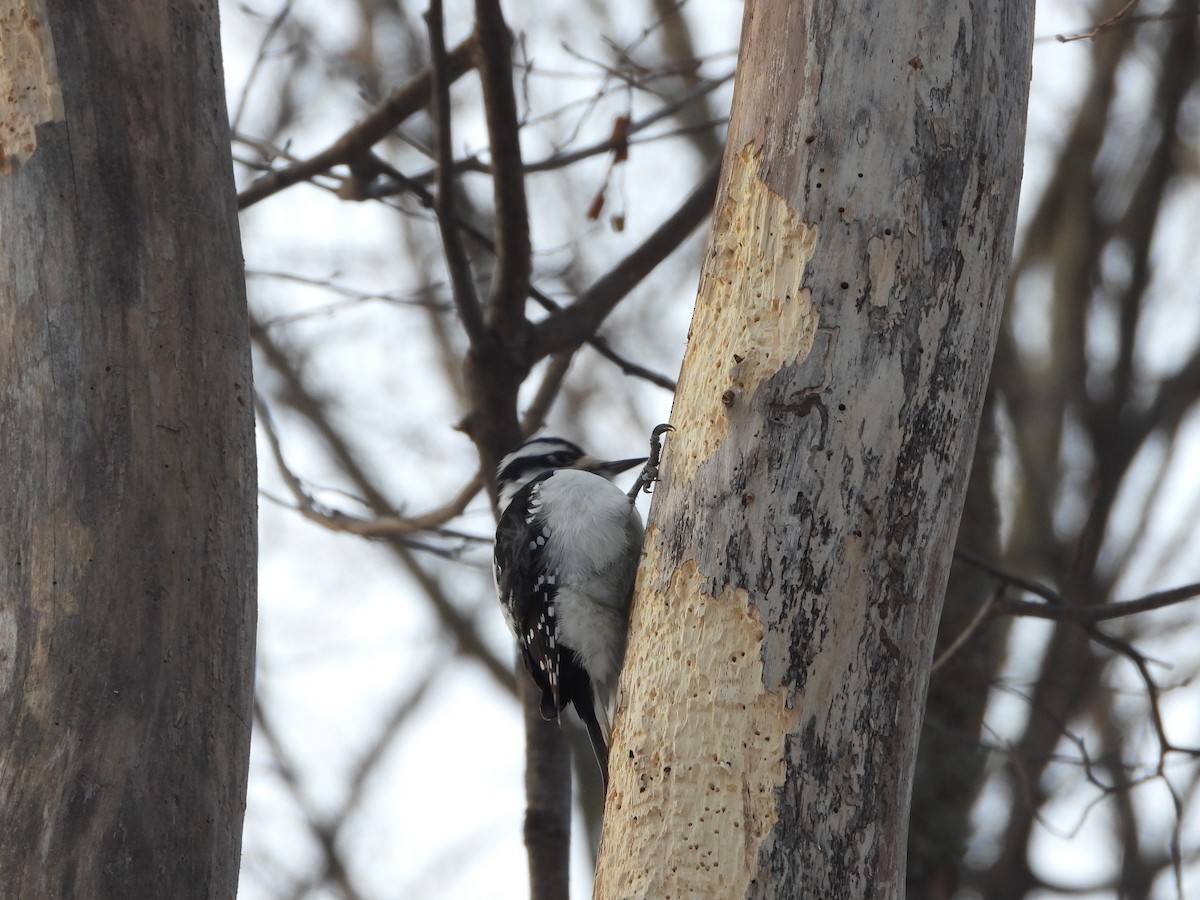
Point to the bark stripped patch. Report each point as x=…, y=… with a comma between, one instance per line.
x=30, y=93
x=750, y=303
x=718, y=805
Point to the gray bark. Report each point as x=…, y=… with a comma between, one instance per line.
x=799, y=546
x=127, y=593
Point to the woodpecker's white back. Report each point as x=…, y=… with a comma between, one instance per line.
x=594, y=547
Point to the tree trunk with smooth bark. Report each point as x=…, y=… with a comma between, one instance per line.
x=127, y=468
x=799, y=544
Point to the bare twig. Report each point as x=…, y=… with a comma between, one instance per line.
x=1142, y=663
x=327, y=829
x=267, y=423
x=466, y=300
x=405, y=101
x=1086, y=614
x=272, y=28
x=402, y=712
x=1034, y=587
x=1099, y=27
x=393, y=526
x=506, y=300
x=376, y=527
x=981, y=615
x=424, y=297
x=1054, y=607
x=600, y=344
x=563, y=159
x=575, y=324
x=334, y=868
x=1087, y=617
x=556, y=371
x=457, y=623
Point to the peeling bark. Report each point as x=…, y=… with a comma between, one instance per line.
x=826, y=413
x=126, y=433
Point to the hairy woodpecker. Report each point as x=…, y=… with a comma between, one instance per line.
x=567, y=550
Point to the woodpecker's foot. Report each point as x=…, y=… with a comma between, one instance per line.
x=649, y=473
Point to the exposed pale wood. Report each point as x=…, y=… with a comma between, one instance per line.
x=826, y=413
x=127, y=610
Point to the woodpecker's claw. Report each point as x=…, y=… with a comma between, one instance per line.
x=649, y=473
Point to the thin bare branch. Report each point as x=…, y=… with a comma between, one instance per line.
x=601, y=346
x=1153, y=691
x=556, y=371
x=565, y=158
x=394, y=526
x=1121, y=17
x=1091, y=33
x=272, y=28
x=575, y=324
x=369, y=762
x=333, y=868
x=377, y=527
x=1054, y=608
x=1100, y=613
x=981, y=616
x=327, y=829
x=267, y=423
x=597, y=343
x=371, y=166
x=407, y=100
x=466, y=300
x=458, y=623
x=506, y=300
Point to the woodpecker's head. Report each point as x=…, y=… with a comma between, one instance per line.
x=545, y=454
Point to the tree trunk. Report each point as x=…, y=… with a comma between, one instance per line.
x=950, y=767
x=548, y=797
x=799, y=545
x=128, y=479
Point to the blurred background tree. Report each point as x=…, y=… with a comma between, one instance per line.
x=388, y=751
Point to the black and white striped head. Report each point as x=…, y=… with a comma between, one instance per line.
x=545, y=454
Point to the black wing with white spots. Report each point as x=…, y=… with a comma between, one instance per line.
x=527, y=594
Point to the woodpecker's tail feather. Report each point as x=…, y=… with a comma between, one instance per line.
x=593, y=714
